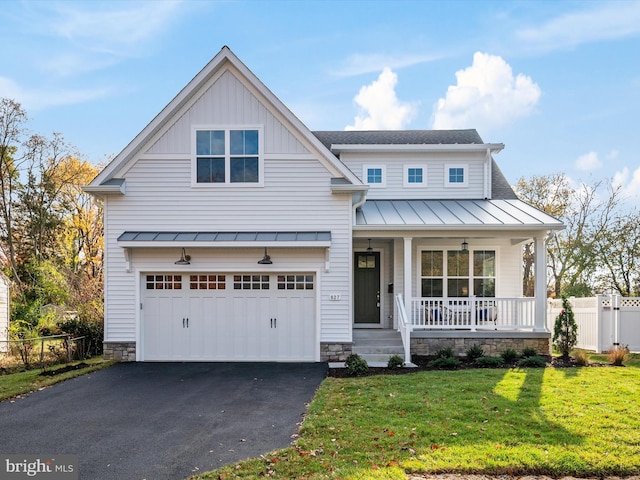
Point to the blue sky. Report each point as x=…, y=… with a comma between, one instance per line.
x=557, y=82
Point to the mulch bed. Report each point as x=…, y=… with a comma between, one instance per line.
x=421, y=362
x=68, y=368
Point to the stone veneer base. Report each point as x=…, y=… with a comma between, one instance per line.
x=335, y=352
x=493, y=343
x=121, y=351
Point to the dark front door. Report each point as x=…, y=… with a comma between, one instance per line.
x=367, y=287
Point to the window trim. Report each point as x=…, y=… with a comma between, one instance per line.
x=405, y=176
x=227, y=156
x=465, y=172
x=365, y=175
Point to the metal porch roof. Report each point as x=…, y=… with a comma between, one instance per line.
x=157, y=238
x=453, y=214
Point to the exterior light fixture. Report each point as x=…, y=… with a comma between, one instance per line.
x=465, y=246
x=266, y=260
x=184, y=259
x=369, y=249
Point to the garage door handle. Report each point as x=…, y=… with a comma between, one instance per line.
x=275, y=323
x=187, y=322
x=183, y=323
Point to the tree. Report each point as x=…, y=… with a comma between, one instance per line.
x=587, y=212
x=619, y=250
x=565, y=330
x=12, y=133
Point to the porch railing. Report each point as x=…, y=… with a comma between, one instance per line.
x=472, y=313
x=404, y=327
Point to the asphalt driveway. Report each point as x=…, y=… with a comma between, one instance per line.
x=160, y=421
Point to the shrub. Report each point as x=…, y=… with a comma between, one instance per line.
x=92, y=331
x=489, y=362
x=532, y=362
x=618, y=355
x=395, y=362
x=444, y=363
x=529, y=352
x=356, y=365
x=565, y=330
x=445, y=353
x=475, y=352
x=581, y=358
x=509, y=355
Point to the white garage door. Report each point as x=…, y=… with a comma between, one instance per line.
x=228, y=317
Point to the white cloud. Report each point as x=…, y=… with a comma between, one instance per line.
x=486, y=96
x=44, y=98
x=629, y=182
x=608, y=21
x=588, y=161
x=113, y=30
x=360, y=64
x=380, y=108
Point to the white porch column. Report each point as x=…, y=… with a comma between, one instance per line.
x=541, y=284
x=408, y=287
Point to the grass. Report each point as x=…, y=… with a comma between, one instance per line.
x=21, y=383
x=574, y=421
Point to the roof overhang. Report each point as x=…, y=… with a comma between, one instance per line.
x=418, y=148
x=115, y=186
x=156, y=239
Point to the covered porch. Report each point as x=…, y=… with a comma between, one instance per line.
x=454, y=276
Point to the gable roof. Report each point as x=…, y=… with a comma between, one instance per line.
x=222, y=60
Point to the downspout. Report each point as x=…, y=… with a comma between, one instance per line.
x=360, y=202
x=487, y=175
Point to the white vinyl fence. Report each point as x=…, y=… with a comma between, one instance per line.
x=604, y=321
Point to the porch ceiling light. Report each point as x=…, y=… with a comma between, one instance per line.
x=465, y=246
x=184, y=259
x=266, y=260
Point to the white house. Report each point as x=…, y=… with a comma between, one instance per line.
x=234, y=233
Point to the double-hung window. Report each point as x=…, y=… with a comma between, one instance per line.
x=452, y=273
x=226, y=156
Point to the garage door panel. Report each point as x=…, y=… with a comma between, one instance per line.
x=231, y=318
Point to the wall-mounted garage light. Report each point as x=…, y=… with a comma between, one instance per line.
x=184, y=259
x=266, y=260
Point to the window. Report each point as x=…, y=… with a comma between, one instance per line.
x=225, y=156
x=251, y=282
x=207, y=282
x=455, y=176
x=451, y=273
x=415, y=176
x=295, y=282
x=375, y=175
x=164, y=282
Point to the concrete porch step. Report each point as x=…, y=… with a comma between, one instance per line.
x=377, y=345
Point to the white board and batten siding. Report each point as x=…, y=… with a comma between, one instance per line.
x=295, y=196
x=435, y=164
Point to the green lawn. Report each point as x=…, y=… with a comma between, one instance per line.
x=29, y=381
x=575, y=421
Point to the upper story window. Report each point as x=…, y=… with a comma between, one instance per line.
x=375, y=175
x=225, y=156
x=456, y=175
x=415, y=176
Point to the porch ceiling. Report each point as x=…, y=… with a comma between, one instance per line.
x=453, y=214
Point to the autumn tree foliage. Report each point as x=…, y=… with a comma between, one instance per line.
x=574, y=254
x=50, y=230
